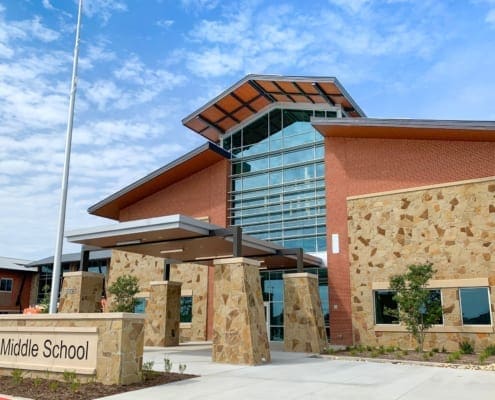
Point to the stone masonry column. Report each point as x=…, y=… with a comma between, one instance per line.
x=239, y=328
x=161, y=327
x=81, y=292
x=304, y=327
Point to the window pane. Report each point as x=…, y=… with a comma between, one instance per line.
x=140, y=305
x=186, y=309
x=384, y=301
x=475, y=306
x=436, y=297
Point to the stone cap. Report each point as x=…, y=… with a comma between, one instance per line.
x=301, y=275
x=237, y=260
x=169, y=283
x=72, y=316
x=83, y=273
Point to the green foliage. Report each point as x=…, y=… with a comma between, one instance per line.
x=45, y=301
x=124, y=289
x=488, y=352
x=374, y=353
x=167, y=364
x=70, y=378
x=37, y=381
x=53, y=386
x=182, y=368
x=148, y=369
x=456, y=355
x=435, y=350
x=416, y=307
x=466, y=347
x=17, y=376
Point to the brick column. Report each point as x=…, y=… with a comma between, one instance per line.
x=239, y=328
x=304, y=327
x=81, y=292
x=163, y=314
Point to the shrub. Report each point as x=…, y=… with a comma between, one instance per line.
x=148, y=370
x=417, y=309
x=456, y=355
x=466, y=347
x=17, y=376
x=167, y=364
x=124, y=289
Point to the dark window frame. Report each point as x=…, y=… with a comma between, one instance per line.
x=11, y=280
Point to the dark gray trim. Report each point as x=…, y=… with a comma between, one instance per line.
x=74, y=257
x=406, y=123
x=207, y=146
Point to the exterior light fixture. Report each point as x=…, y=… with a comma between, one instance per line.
x=171, y=251
x=128, y=242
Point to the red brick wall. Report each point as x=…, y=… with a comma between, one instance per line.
x=360, y=166
x=7, y=299
x=199, y=195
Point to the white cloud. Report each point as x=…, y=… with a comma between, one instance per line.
x=47, y=5
x=164, y=23
x=490, y=17
x=353, y=6
x=103, y=8
x=197, y=5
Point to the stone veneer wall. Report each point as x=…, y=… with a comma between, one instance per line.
x=163, y=314
x=451, y=226
x=145, y=268
x=81, y=292
x=304, y=327
x=194, y=279
x=119, y=355
x=239, y=328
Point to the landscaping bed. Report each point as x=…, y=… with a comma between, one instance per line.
x=483, y=360
x=43, y=389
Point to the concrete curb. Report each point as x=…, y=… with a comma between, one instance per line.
x=488, y=367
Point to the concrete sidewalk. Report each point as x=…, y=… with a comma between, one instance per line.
x=301, y=376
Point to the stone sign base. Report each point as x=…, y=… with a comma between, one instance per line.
x=105, y=347
x=304, y=327
x=239, y=329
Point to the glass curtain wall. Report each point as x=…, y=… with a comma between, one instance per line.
x=278, y=187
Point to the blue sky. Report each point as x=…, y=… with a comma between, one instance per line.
x=146, y=64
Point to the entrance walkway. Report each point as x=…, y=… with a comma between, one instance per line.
x=300, y=376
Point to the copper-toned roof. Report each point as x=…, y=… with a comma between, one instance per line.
x=254, y=92
x=376, y=128
x=188, y=164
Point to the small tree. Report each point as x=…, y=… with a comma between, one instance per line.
x=417, y=308
x=124, y=289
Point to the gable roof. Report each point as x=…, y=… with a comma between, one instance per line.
x=15, y=264
x=190, y=163
x=253, y=93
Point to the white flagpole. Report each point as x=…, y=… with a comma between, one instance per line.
x=65, y=178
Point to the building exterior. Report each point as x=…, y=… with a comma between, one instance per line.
x=295, y=161
x=17, y=285
x=98, y=262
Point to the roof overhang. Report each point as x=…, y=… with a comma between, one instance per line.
x=184, y=239
x=374, y=128
x=190, y=163
x=254, y=93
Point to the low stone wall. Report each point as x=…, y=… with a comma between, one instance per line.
x=106, y=347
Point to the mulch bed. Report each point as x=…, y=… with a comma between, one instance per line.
x=427, y=356
x=42, y=389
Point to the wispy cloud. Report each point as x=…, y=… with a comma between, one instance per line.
x=104, y=9
x=164, y=23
